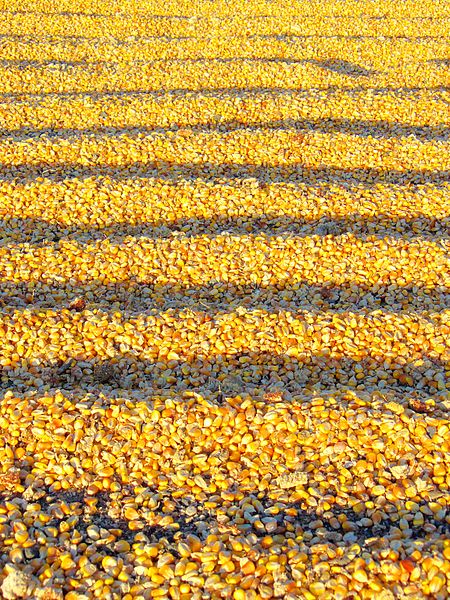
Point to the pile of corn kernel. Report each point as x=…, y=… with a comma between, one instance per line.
x=224, y=299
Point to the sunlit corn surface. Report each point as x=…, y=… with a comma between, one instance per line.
x=224, y=299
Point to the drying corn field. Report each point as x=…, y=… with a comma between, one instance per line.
x=224, y=299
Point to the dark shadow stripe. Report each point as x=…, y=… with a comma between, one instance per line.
x=134, y=39
x=36, y=64
x=108, y=40
x=329, y=535
x=238, y=15
x=225, y=92
x=341, y=67
x=170, y=172
x=115, y=15
x=335, y=520
x=39, y=232
x=440, y=62
x=272, y=370
x=363, y=128
x=381, y=37
x=133, y=298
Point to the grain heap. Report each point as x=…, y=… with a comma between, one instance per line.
x=225, y=300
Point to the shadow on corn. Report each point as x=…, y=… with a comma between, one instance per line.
x=243, y=522
x=440, y=62
x=39, y=232
x=237, y=16
x=133, y=298
x=115, y=15
x=232, y=373
x=339, y=66
x=363, y=128
x=226, y=92
x=194, y=17
x=332, y=515
x=296, y=173
x=107, y=40
x=288, y=37
x=342, y=67
x=281, y=37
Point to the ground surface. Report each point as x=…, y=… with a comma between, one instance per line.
x=225, y=299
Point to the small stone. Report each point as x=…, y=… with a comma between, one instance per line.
x=400, y=471
x=290, y=480
x=18, y=584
